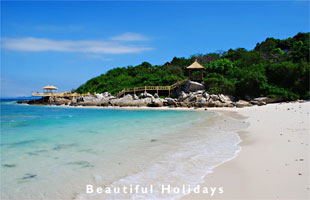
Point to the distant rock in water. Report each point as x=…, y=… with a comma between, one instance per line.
x=81, y=163
x=21, y=143
x=9, y=165
x=64, y=146
x=29, y=176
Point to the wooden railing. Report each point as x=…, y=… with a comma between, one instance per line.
x=62, y=94
x=124, y=91
x=153, y=88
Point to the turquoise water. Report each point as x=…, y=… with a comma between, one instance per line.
x=53, y=152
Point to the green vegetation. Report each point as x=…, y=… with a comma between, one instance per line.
x=274, y=68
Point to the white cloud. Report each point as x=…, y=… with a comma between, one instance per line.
x=98, y=56
x=130, y=37
x=32, y=44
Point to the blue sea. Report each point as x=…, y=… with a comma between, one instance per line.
x=50, y=152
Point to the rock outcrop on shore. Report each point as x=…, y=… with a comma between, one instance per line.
x=192, y=94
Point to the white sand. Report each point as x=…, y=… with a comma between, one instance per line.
x=274, y=160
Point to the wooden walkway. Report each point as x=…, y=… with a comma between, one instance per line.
x=153, y=88
x=62, y=94
x=123, y=92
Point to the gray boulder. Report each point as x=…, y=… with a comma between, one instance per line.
x=156, y=103
x=203, y=102
x=170, y=102
x=156, y=95
x=200, y=92
x=218, y=104
x=90, y=98
x=224, y=98
x=145, y=95
x=135, y=97
x=146, y=101
x=182, y=96
x=184, y=104
x=247, y=98
x=214, y=97
x=268, y=99
x=260, y=99
x=223, y=104
x=242, y=103
x=192, y=86
x=106, y=94
x=206, y=95
x=258, y=103
x=127, y=97
x=59, y=100
x=192, y=97
x=74, y=100
x=79, y=99
x=96, y=99
x=127, y=100
x=103, y=95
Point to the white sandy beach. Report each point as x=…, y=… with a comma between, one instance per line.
x=274, y=160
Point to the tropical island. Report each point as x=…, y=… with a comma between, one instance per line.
x=178, y=100
x=274, y=71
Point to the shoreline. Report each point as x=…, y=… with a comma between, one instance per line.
x=190, y=156
x=274, y=160
x=126, y=107
x=217, y=109
x=274, y=157
x=188, y=148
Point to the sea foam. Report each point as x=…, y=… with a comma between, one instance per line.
x=61, y=150
x=202, y=149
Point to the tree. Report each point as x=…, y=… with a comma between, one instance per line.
x=275, y=68
x=220, y=66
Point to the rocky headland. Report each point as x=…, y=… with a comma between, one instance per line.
x=191, y=94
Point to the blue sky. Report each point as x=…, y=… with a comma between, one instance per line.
x=67, y=43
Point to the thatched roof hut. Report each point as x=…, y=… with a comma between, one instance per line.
x=50, y=87
x=195, y=65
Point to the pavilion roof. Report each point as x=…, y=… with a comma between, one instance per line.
x=195, y=65
x=50, y=87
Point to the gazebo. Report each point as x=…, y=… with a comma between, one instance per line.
x=49, y=89
x=195, y=67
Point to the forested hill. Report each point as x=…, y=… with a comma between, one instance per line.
x=274, y=68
